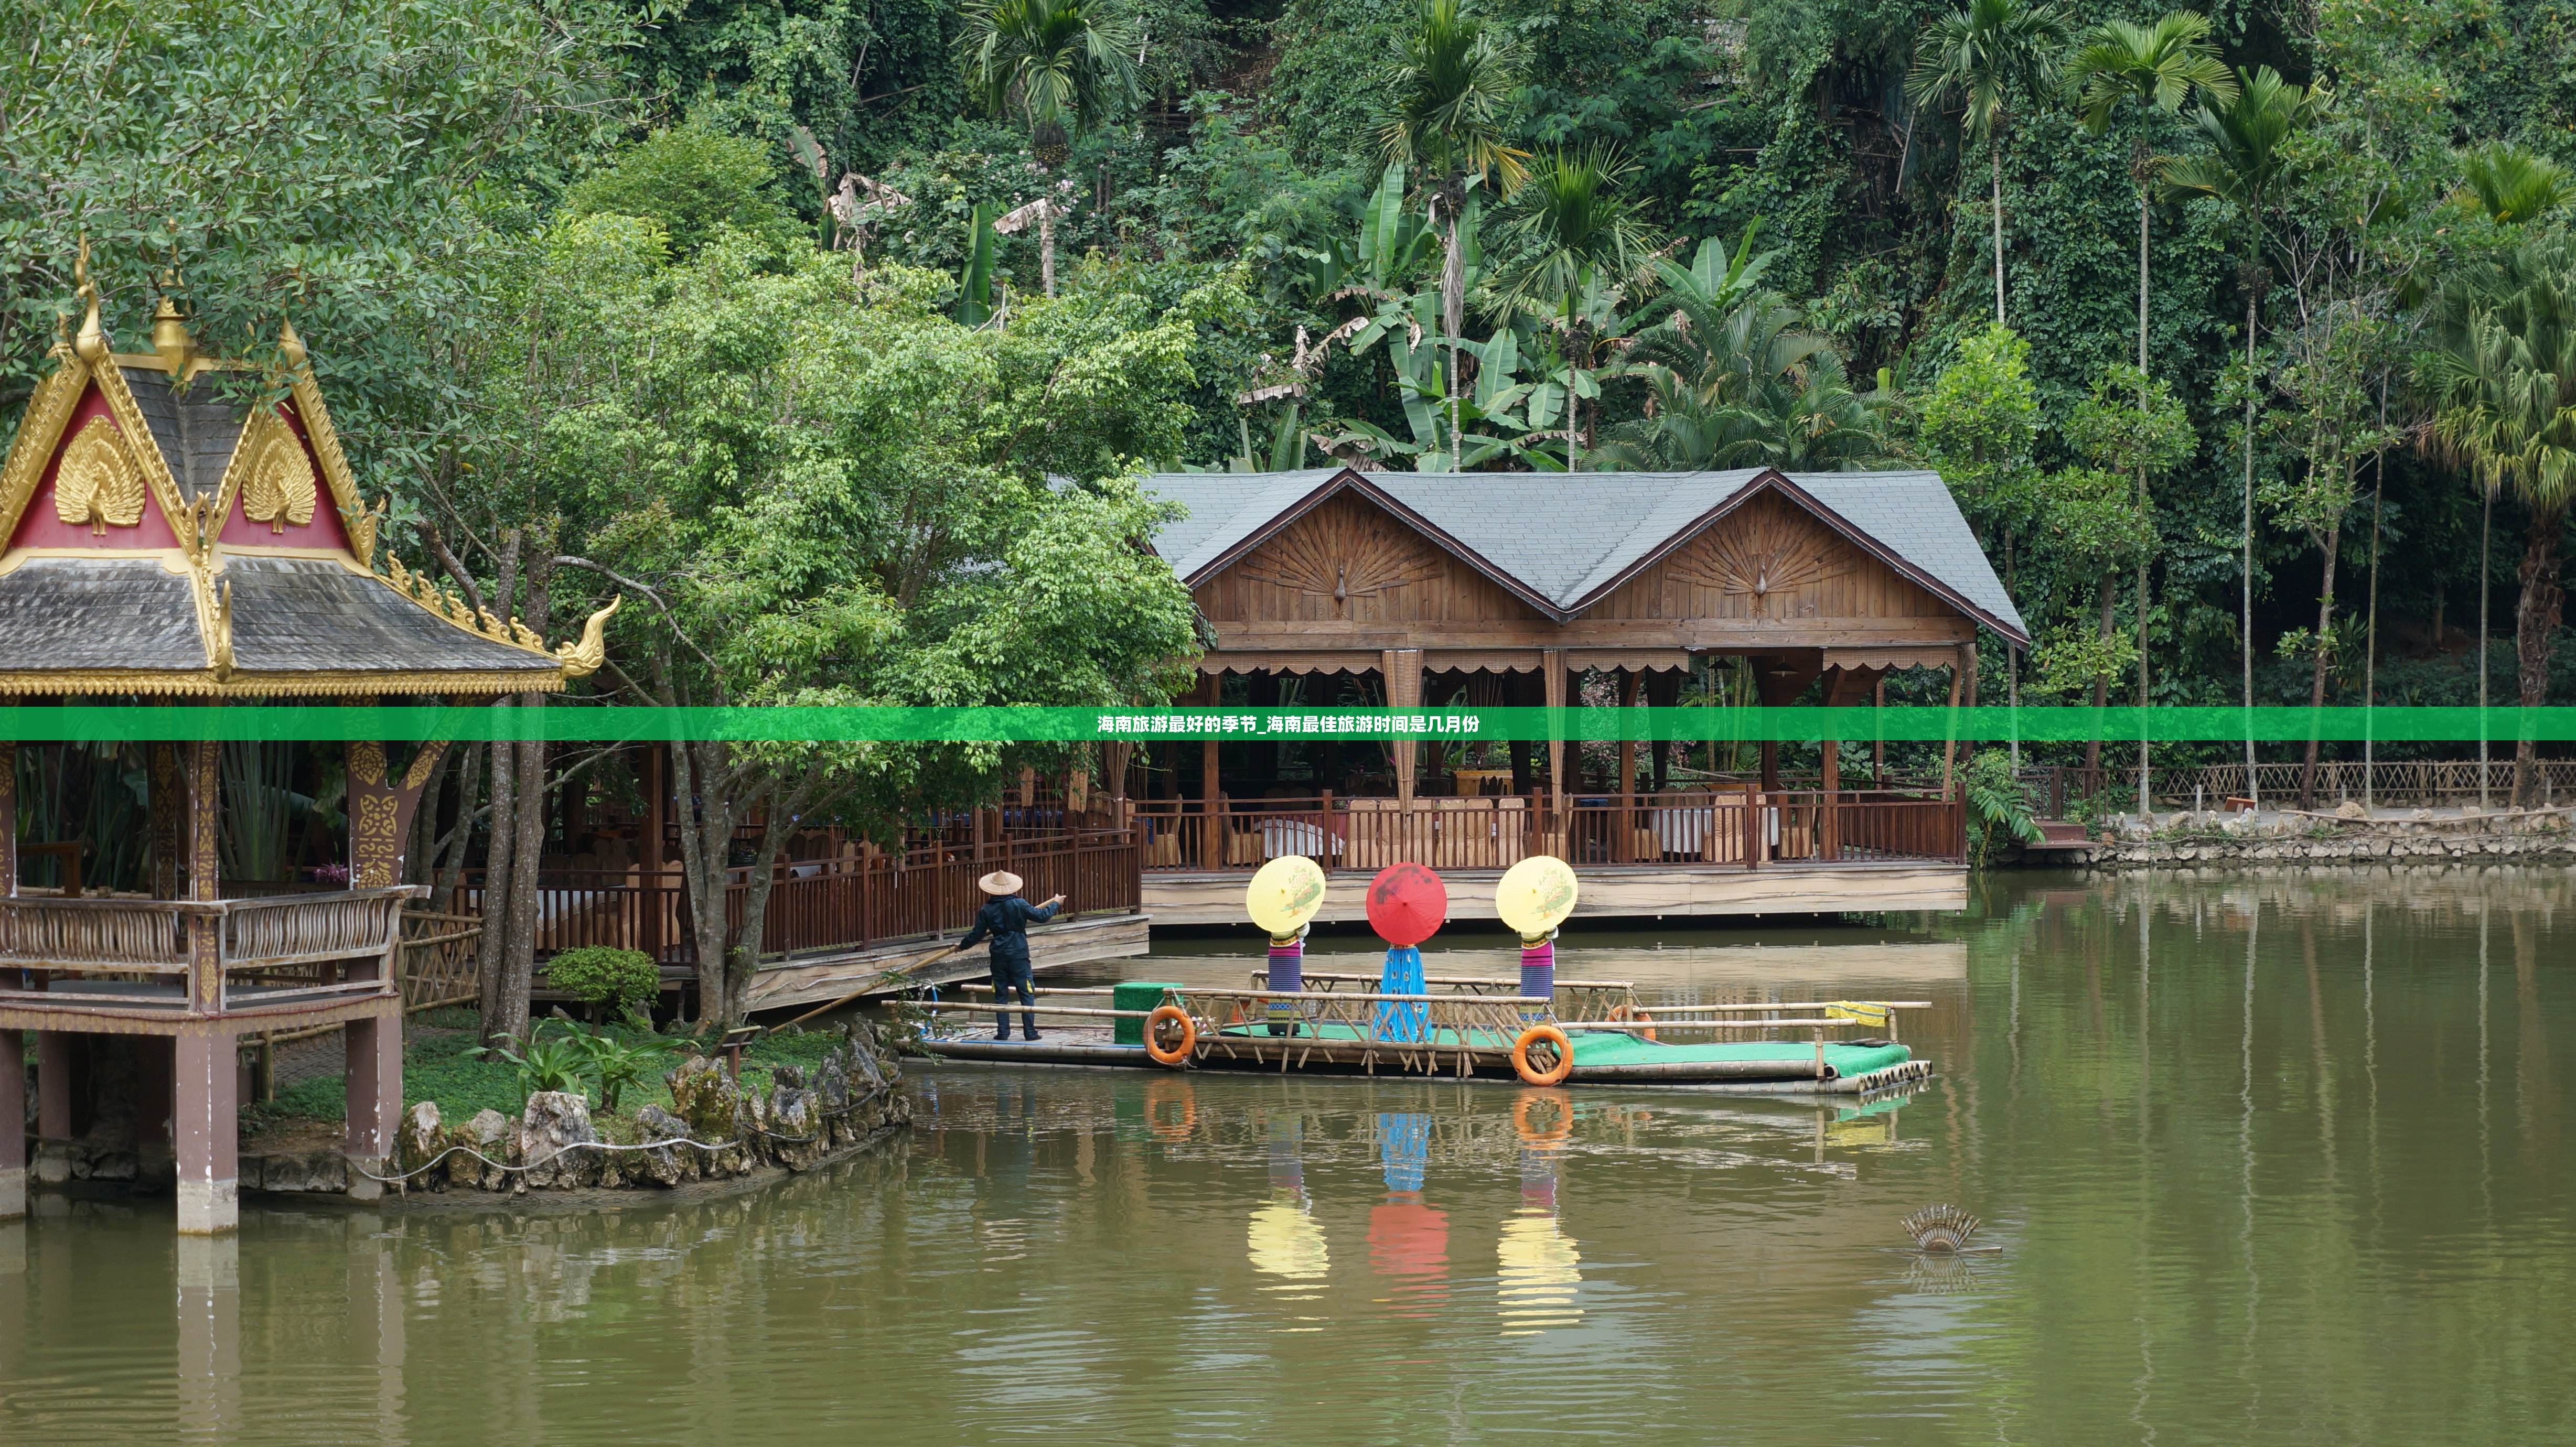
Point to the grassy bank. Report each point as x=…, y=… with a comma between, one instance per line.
x=437, y=1068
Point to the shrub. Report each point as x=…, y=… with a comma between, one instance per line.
x=623, y=981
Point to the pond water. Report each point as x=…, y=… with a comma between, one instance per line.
x=2269, y=1159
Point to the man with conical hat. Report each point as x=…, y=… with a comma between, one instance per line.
x=1005, y=920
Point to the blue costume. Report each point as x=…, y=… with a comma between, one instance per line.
x=1006, y=922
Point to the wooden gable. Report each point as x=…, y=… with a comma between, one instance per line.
x=1350, y=562
x=1771, y=562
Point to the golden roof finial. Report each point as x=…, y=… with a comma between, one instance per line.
x=584, y=658
x=290, y=346
x=91, y=344
x=170, y=329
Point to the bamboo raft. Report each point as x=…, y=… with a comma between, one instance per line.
x=1468, y=1028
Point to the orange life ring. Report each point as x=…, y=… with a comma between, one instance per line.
x=1638, y=1014
x=1155, y=1024
x=1541, y=1035
x=1552, y=1135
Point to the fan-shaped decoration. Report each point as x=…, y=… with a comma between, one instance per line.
x=281, y=487
x=98, y=483
x=582, y=659
x=1342, y=557
x=1765, y=553
x=1940, y=1228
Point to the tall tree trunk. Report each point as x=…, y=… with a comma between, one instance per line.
x=2245, y=623
x=2101, y=696
x=493, y=948
x=2145, y=799
x=706, y=816
x=1453, y=312
x=1995, y=179
x=2486, y=538
x=2535, y=627
x=527, y=850
x=2317, y=673
x=1046, y=246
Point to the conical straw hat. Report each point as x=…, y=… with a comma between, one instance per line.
x=1000, y=881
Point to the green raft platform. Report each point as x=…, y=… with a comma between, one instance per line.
x=1458, y=1035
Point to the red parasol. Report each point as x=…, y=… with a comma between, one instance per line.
x=1407, y=904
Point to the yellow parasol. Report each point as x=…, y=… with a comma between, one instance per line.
x=1285, y=895
x=1535, y=896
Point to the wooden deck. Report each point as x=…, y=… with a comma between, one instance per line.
x=812, y=981
x=1611, y=891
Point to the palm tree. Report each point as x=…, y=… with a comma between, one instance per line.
x=2246, y=135
x=1449, y=95
x=2503, y=376
x=1056, y=66
x=1565, y=227
x=2513, y=184
x=2158, y=66
x=1993, y=56
x=1736, y=380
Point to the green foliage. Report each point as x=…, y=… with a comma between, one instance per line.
x=1979, y=429
x=1447, y=94
x=1991, y=58
x=615, y=1062
x=604, y=976
x=1996, y=802
x=2131, y=423
x=542, y=1062
x=692, y=183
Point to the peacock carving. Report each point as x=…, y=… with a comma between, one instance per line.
x=1765, y=553
x=1342, y=559
x=98, y=483
x=281, y=488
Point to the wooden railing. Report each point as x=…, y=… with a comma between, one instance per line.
x=827, y=905
x=1744, y=829
x=2404, y=783
x=124, y=953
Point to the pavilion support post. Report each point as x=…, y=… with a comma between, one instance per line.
x=54, y=1085
x=9, y=819
x=208, y=1153
x=1403, y=693
x=1950, y=731
x=168, y=804
x=1551, y=671
x=1624, y=849
x=372, y=1057
x=381, y=807
x=205, y=881
x=1212, y=819
x=648, y=850
x=13, y=1126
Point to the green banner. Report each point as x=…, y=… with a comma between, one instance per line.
x=787, y=724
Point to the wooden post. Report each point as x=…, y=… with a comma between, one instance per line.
x=13, y=1126
x=648, y=850
x=1212, y=823
x=9, y=818
x=371, y=1054
x=1403, y=671
x=166, y=806
x=1624, y=848
x=1552, y=675
x=205, y=881
x=207, y=1098
x=1950, y=732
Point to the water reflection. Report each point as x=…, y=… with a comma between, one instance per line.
x=1408, y=1239
x=2271, y=1158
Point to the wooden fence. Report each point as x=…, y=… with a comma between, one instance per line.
x=830, y=905
x=1743, y=828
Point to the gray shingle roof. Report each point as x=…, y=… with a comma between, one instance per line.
x=93, y=614
x=1566, y=539
x=197, y=429
x=311, y=614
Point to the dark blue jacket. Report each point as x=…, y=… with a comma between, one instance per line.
x=1006, y=922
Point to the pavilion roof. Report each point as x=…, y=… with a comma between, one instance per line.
x=1563, y=542
x=171, y=530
